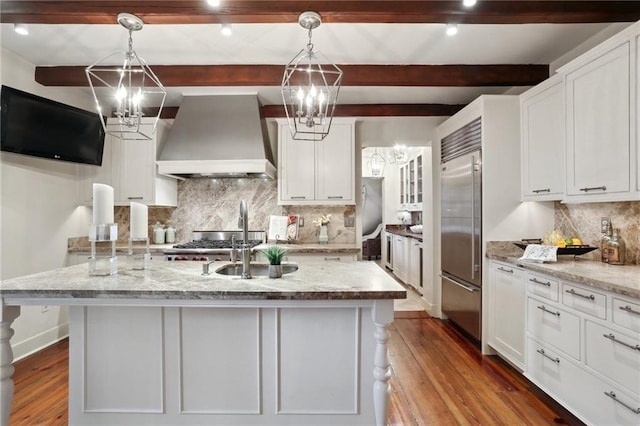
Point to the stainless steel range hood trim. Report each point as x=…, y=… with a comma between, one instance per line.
x=183, y=169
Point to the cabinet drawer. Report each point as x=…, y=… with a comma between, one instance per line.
x=615, y=355
x=554, y=326
x=579, y=391
x=584, y=300
x=542, y=286
x=626, y=314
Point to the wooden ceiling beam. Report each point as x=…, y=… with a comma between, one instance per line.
x=342, y=11
x=347, y=110
x=354, y=75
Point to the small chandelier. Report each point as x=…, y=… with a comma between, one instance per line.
x=310, y=86
x=132, y=86
x=399, y=155
x=376, y=164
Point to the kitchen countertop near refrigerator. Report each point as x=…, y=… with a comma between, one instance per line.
x=401, y=230
x=621, y=279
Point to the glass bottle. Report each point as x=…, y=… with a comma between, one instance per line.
x=616, y=249
x=604, y=244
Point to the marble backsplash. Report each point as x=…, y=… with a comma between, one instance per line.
x=213, y=204
x=583, y=221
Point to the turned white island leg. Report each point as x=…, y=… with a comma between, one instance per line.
x=382, y=316
x=7, y=315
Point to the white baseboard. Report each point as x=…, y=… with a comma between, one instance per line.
x=40, y=341
x=432, y=309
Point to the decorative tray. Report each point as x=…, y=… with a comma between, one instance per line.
x=572, y=250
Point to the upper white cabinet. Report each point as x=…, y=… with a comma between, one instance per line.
x=591, y=109
x=601, y=121
x=129, y=166
x=411, y=182
x=598, y=124
x=317, y=172
x=542, y=133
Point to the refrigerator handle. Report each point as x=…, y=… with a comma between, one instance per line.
x=473, y=218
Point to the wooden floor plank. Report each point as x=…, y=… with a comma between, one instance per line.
x=439, y=378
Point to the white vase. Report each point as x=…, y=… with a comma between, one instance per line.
x=324, y=235
x=275, y=271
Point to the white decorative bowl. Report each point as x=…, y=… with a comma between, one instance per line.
x=416, y=229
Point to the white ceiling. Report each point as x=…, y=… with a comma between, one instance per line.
x=398, y=44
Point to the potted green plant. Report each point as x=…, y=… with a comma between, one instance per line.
x=274, y=255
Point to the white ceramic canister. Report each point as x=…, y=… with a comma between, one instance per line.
x=170, y=236
x=158, y=233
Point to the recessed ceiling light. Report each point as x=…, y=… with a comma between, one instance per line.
x=469, y=3
x=226, y=30
x=216, y=3
x=452, y=29
x=21, y=29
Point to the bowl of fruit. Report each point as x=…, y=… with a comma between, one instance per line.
x=571, y=246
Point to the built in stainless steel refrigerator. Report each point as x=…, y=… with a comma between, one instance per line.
x=461, y=236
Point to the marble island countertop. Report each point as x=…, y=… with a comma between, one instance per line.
x=621, y=279
x=183, y=281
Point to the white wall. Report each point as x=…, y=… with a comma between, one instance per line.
x=38, y=212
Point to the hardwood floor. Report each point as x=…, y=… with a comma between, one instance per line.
x=439, y=378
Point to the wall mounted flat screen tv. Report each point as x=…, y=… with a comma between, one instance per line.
x=32, y=125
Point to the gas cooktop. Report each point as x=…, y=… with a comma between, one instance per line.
x=216, y=242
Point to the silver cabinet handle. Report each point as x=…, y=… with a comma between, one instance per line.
x=537, y=191
x=584, y=296
x=629, y=309
x=544, y=354
x=544, y=309
x=593, y=188
x=535, y=280
x=298, y=197
x=332, y=258
x=335, y=197
x=612, y=395
x=505, y=269
x=612, y=337
x=135, y=198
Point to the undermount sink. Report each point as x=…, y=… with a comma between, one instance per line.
x=257, y=269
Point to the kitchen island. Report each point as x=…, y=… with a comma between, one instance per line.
x=169, y=346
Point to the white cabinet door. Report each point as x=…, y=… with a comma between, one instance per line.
x=400, y=254
x=403, y=187
x=598, y=126
x=317, y=172
x=543, y=128
x=129, y=166
x=137, y=169
x=335, y=161
x=296, y=171
x=507, y=301
x=419, y=181
x=414, y=277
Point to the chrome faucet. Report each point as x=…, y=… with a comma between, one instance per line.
x=246, y=248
